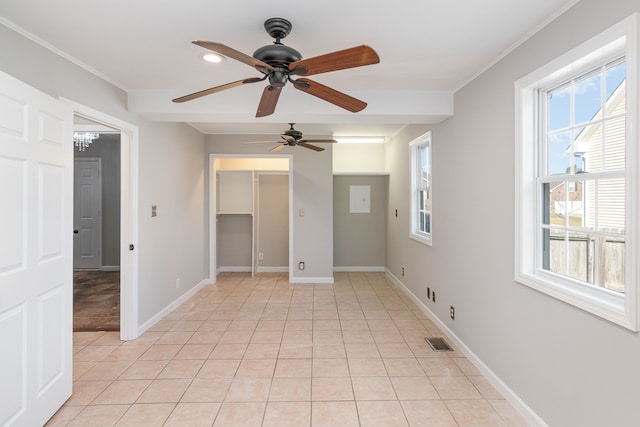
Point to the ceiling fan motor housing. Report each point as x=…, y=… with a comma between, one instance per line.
x=277, y=55
x=295, y=134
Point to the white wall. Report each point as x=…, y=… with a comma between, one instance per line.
x=349, y=158
x=312, y=191
x=570, y=367
x=171, y=166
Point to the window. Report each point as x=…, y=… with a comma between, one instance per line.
x=421, y=189
x=576, y=180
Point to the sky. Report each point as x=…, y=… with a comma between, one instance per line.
x=587, y=95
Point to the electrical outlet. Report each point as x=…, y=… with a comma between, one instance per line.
x=178, y=283
x=452, y=313
x=433, y=296
x=402, y=271
x=301, y=265
x=260, y=256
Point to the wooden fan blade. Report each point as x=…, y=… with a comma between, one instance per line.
x=216, y=89
x=339, y=60
x=317, y=141
x=331, y=95
x=263, y=67
x=268, y=101
x=262, y=142
x=278, y=148
x=309, y=146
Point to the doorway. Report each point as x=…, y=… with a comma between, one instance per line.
x=223, y=205
x=119, y=237
x=96, y=238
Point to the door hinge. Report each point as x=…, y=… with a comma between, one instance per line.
x=131, y=247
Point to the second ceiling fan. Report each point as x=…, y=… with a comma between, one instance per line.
x=295, y=138
x=278, y=63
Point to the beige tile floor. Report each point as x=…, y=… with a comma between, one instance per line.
x=263, y=352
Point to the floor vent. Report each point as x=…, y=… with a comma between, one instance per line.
x=438, y=344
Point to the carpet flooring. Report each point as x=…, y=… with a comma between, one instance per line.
x=96, y=300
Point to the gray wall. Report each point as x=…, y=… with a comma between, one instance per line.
x=107, y=148
x=235, y=235
x=273, y=220
x=170, y=171
x=572, y=368
x=359, y=239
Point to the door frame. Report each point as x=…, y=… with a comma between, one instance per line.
x=129, y=143
x=213, y=268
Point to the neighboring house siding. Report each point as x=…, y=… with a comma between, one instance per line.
x=611, y=192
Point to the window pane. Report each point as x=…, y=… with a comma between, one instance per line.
x=557, y=251
x=580, y=256
x=611, y=205
x=589, y=200
x=590, y=142
x=575, y=203
x=587, y=98
x=559, y=161
x=611, y=263
x=427, y=222
x=614, y=143
x=579, y=148
x=554, y=210
x=559, y=102
x=614, y=76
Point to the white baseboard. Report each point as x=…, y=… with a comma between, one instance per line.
x=523, y=409
x=239, y=269
x=168, y=309
x=323, y=280
x=360, y=269
x=284, y=269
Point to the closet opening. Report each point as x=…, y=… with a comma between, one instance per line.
x=250, y=212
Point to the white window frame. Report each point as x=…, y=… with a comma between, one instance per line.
x=416, y=179
x=622, y=309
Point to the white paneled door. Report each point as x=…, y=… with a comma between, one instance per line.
x=87, y=218
x=36, y=254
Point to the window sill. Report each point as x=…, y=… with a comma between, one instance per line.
x=599, y=302
x=424, y=239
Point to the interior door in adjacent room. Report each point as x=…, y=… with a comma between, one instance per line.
x=87, y=217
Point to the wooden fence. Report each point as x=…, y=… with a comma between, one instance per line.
x=581, y=260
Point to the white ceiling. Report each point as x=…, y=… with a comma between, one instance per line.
x=428, y=49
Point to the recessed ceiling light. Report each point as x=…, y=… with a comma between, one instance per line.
x=213, y=57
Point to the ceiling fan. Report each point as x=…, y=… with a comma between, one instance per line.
x=279, y=63
x=295, y=138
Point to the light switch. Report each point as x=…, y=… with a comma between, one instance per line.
x=301, y=212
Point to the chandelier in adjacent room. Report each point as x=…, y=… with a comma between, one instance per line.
x=84, y=139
